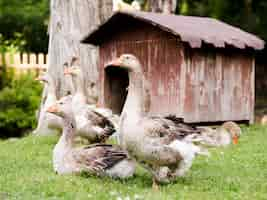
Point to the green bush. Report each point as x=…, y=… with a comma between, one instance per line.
x=18, y=102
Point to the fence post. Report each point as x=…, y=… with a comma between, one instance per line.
x=17, y=62
x=7, y=59
x=27, y=62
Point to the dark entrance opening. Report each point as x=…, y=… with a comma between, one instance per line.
x=116, y=84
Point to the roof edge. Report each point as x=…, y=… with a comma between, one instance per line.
x=193, y=41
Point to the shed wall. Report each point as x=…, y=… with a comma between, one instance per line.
x=200, y=85
x=219, y=86
x=161, y=59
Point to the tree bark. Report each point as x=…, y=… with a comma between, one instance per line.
x=163, y=6
x=70, y=20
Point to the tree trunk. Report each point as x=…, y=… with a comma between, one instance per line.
x=70, y=20
x=163, y=6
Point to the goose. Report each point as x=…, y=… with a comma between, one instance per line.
x=120, y=5
x=95, y=124
x=80, y=97
x=95, y=159
x=222, y=136
x=48, y=124
x=155, y=142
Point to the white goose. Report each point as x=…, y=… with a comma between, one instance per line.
x=155, y=142
x=48, y=124
x=95, y=124
x=96, y=159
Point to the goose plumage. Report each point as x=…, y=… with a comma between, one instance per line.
x=48, y=124
x=157, y=143
x=95, y=124
x=96, y=159
x=226, y=134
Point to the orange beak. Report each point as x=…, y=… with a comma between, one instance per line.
x=67, y=71
x=116, y=62
x=235, y=139
x=52, y=109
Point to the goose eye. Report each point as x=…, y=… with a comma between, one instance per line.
x=60, y=103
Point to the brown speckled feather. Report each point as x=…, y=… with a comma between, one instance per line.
x=98, y=119
x=168, y=128
x=99, y=157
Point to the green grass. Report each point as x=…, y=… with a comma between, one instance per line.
x=237, y=172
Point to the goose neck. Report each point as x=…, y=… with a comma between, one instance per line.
x=79, y=85
x=68, y=134
x=134, y=102
x=51, y=94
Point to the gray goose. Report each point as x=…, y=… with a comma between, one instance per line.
x=48, y=124
x=222, y=136
x=96, y=159
x=157, y=143
x=93, y=123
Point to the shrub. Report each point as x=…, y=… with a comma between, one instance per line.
x=18, y=102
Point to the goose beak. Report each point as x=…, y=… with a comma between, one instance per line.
x=116, y=63
x=98, y=105
x=52, y=109
x=67, y=71
x=235, y=139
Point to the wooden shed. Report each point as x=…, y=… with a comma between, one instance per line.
x=199, y=68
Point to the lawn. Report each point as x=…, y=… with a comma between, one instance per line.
x=237, y=172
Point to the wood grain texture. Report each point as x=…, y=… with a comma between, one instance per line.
x=70, y=20
x=199, y=85
x=162, y=6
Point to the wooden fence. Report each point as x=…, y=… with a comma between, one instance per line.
x=22, y=62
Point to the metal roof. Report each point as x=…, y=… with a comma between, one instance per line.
x=194, y=30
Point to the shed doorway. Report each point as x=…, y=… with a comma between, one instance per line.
x=116, y=84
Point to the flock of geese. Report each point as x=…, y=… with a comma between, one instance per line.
x=164, y=145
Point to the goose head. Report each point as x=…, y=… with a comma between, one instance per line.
x=62, y=107
x=73, y=71
x=233, y=129
x=128, y=62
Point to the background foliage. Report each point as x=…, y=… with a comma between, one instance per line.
x=24, y=24
x=19, y=100
x=27, y=21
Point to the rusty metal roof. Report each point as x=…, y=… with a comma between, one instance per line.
x=194, y=30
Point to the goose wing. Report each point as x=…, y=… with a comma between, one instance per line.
x=168, y=128
x=98, y=119
x=99, y=157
